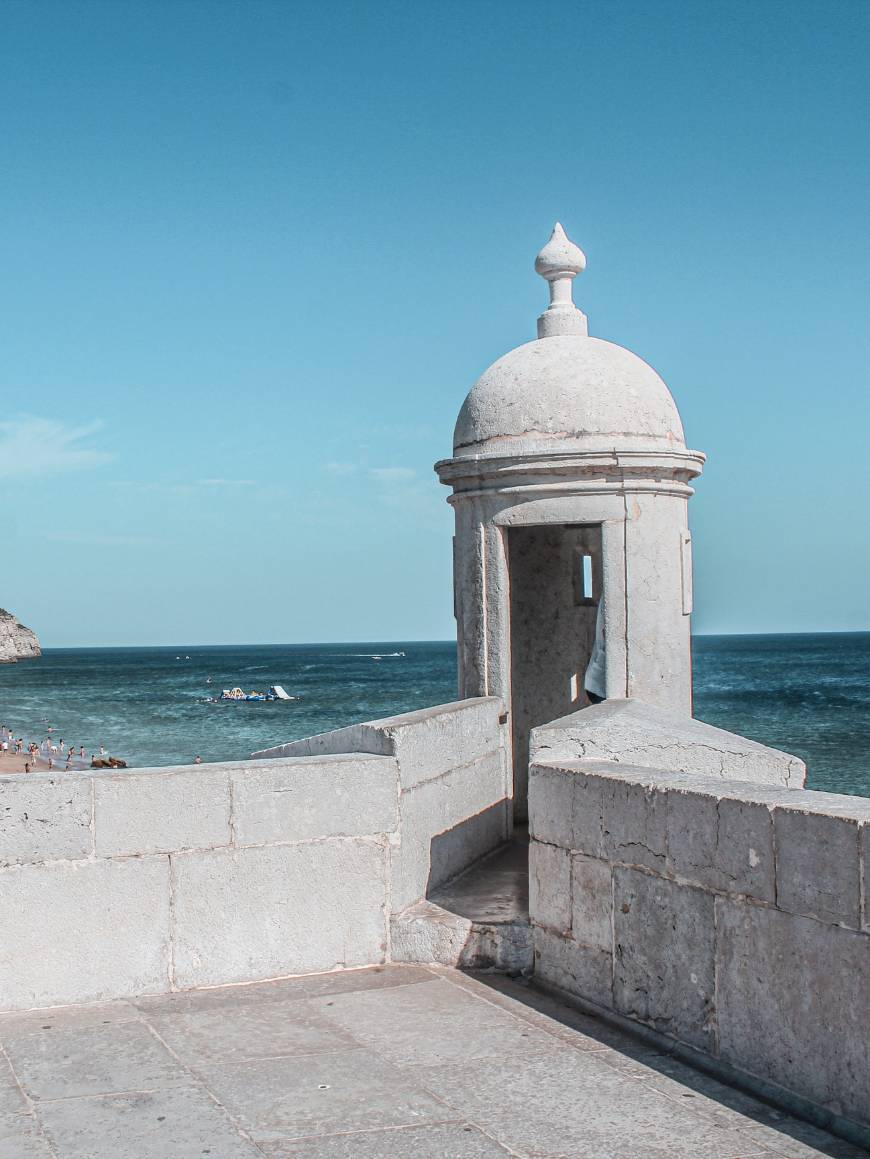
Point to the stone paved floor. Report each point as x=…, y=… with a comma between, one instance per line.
x=402, y=1061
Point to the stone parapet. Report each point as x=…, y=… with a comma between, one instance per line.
x=115, y=884
x=426, y=743
x=454, y=803
x=150, y=880
x=726, y=917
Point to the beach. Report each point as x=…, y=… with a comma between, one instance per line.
x=15, y=762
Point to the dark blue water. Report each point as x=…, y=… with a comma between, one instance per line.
x=808, y=694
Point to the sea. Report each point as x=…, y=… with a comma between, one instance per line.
x=807, y=694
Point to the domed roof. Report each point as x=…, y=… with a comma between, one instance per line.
x=567, y=393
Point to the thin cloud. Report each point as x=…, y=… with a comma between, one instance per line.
x=334, y=467
x=227, y=483
x=151, y=486
x=31, y=446
x=393, y=474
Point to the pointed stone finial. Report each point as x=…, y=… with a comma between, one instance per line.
x=559, y=262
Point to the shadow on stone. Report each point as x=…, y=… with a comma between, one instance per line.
x=665, y=1072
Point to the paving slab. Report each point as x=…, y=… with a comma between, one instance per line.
x=21, y=1138
x=297, y=989
x=290, y=1098
x=168, y=1124
x=12, y=1101
x=456, y=1140
x=580, y=1030
x=457, y=1025
x=14, y=1024
x=250, y=1032
x=563, y=1102
x=63, y=1064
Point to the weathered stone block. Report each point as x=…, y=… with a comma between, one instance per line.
x=591, y=902
x=44, y=818
x=550, y=886
x=565, y=806
x=160, y=812
x=692, y=834
x=634, y=820
x=792, y=1000
x=445, y=825
x=294, y=800
x=83, y=932
x=721, y=841
x=430, y=742
x=244, y=914
x=551, y=805
x=817, y=870
x=587, y=822
x=577, y=969
x=745, y=857
x=865, y=862
x=663, y=971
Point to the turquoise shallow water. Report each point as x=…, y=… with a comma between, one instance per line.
x=809, y=694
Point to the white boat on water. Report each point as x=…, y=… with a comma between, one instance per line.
x=237, y=695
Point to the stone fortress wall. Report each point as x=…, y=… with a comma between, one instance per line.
x=681, y=880
x=727, y=916
x=151, y=880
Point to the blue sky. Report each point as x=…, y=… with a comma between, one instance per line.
x=253, y=255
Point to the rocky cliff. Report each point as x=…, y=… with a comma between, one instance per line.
x=16, y=641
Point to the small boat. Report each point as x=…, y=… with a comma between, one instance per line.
x=276, y=692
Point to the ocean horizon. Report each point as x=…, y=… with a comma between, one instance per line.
x=807, y=693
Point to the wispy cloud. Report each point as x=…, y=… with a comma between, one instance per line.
x=31, y=446
x=152, y=486
x=335, y=467
x=393, y=474
x=226, y=483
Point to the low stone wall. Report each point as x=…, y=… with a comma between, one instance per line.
x=454, y=805
x=727, y=917
x=114, y=884
x=121, y=883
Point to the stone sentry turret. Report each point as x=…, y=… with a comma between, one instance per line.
x=16, y=641
x=570, y=478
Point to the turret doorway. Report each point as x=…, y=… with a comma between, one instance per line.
x=555, y=576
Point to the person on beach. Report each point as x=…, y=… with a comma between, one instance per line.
x=82, y=751
x=4, y=746
x=27, y=766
